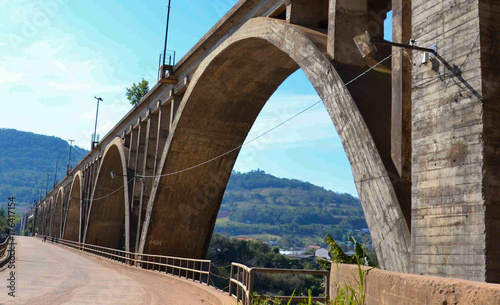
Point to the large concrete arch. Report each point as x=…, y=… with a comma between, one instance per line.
x=57, y=213
x=226, y=93
x=109, y=207
x=72, y=223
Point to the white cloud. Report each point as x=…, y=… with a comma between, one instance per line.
x=57, y=85
x=311, y=126
x=7, y=76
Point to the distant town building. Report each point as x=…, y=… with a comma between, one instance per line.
x=293, y=251
x=323, y=253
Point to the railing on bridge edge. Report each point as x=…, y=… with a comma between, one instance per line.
x=198, y=270
x=243, y=277
x=4, y=258
x=194, y=269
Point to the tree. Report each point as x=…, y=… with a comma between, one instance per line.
x=137, y=92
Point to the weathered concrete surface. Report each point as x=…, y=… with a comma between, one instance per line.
x=388, y=288
x=218, y=109
x=71, y=228
x=57, y=213
x=108, y=217
x=310, y=13
x=49, y=274
x=489, y=14
x=455, y=193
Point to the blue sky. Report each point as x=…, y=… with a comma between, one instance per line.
x=56, y=55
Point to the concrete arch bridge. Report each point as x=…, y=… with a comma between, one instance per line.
x=421, y=139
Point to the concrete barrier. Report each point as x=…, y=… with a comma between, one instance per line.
x=385, y=287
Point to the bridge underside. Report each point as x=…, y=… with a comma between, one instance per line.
x=108, y=219
x=71, y=228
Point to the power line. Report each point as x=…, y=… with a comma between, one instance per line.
x=252, y=140
x=272, y=129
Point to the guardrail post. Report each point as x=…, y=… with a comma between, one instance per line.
x=209, y=272
x=251, y=275
x=238, y=280
x=230, y=281
x=327, y=288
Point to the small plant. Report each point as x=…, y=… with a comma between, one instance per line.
x=339, y=256
x=348, y=295
x=309, y=301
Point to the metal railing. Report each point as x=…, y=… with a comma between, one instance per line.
x=244, y=277
x=243, y=282
x=4, y=257
x=197, y=270
x=169, y=62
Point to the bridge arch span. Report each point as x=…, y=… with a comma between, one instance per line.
x=41, y=218
x=57, y=213
x=49, y=211
x=72, y=222
x=108, y=213
x=225, y=96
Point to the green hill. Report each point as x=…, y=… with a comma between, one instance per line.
x=25, y=160
x=287, y=212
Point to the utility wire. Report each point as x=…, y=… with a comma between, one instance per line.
x=272, y=129
x=113, y=192
x=254, y=139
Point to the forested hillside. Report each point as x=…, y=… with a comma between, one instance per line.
x=25, y=160
x=286, y=211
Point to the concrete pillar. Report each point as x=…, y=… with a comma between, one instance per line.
x=347, y=19
x=456, y=140
x=489, y=16
x=401, y=100
x=140, y=140
x=162, y=132
x=148, y=164
x=174, y=105
x=312, y=13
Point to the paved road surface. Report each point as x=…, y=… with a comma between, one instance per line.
x=53, y=274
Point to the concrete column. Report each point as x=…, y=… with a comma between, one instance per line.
x=137, y=166
x=131, y=146
x=455, y=141
x=87, y=174
x=347, y=19
x=312, y=13
x=147, y=169
x=401, y=102
x=162, y=132
x=174, y=105
x=489, y=16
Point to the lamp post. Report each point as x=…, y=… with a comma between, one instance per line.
x=163, y=67
x=69, y=158
x=94, y=139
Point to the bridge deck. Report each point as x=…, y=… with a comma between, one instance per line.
x=52, y=274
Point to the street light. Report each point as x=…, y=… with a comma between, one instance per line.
x=94, y=139
x=69, y=158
